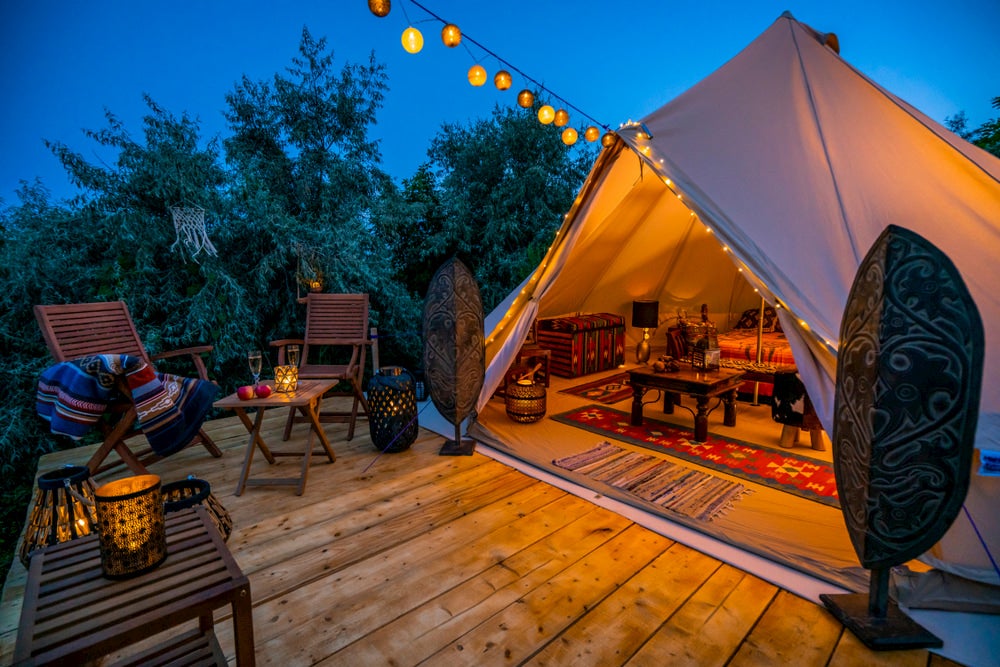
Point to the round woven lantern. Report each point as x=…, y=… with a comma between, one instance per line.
x=193, y=491
x=63, y=509
x=392, y=409
x=525, y=401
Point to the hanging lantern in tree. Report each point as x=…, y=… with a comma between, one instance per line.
x=608, y=139
x=502, y=80
x=569, y=136
x=591, y=133
x=477, y=75
x=380, y=8
x=546, y=114
x=525, y=98
x=561, y=117
x=412, y=40
x=451, y=35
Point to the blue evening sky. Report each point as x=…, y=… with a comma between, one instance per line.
x=65, y=62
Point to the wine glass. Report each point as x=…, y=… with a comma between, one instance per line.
x=292, y=354
x=254, y=361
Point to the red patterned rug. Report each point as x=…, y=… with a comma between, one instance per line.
x=606, y=390
x=806, y=477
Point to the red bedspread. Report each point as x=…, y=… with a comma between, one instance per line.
x=741, y=345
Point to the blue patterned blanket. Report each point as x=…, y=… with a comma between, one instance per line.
x=74, y=395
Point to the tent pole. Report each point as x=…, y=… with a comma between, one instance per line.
x=760, y=342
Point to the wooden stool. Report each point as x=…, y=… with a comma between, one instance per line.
x=792, y=409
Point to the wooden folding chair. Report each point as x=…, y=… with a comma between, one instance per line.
x=335, y=347
x=73, y=331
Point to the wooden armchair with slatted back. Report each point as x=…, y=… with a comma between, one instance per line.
x=72, y=331
x=339, y=323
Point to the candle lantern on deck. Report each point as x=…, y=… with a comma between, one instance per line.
x=63, y=509
x=286, y=378
x=130, y=526
x=392, y=409
x=193, y=491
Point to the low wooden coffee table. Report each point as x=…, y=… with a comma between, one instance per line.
x=72, y=614
x=307, y=397
x=703, y=385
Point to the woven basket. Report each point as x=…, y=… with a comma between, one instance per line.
x=190, y=492
x=525, y=401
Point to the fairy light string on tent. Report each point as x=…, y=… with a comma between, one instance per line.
x=452, y=36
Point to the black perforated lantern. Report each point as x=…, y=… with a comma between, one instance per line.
x=392, y=409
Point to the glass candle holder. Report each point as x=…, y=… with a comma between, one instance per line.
x=286, y=378
x=130, y=526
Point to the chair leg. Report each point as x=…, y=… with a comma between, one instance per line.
x=359, y=398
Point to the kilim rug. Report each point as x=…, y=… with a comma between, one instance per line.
x=806, y=477
x=606, y=390
x=672, y=486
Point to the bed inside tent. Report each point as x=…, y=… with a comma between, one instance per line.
x=764, y=180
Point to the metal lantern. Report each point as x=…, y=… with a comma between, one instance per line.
x=286, y=378
x=561, y=117
x=130, y=524
x=592, y=134
x=63, y=510
x=412, y=40
x=392, y=409
x=546, y=114
x=451, y=35
x=569, y=136
x=502, y=80
x=525, y=98
x=477, y=75
x=193, y=491
x=525, y=401
x=380, y=8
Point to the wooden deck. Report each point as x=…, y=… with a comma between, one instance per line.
x=424, y=559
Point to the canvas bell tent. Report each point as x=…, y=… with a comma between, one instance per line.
x=777, y=172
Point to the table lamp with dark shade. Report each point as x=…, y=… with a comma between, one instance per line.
x=645, y=316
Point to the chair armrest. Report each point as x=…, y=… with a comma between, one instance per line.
x=193, y=352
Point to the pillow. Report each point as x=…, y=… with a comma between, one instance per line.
x=748, y=320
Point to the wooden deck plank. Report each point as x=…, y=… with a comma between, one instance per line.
x=414, y=558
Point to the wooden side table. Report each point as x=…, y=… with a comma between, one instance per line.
x=307, y=397
x=72, y=613
x=700, y=384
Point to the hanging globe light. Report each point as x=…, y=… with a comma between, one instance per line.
x=502, y=80
x=525, y=98
x=546, y=115
x=591, y=133
x=569, y=136
x=608, y=139
x=380, y=8
x=451, y=35
x=562, y=117
x=412, y=40
x=477, y=75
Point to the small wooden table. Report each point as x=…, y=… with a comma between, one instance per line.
x=307, y=397
x=703, y=385
x=73, y=614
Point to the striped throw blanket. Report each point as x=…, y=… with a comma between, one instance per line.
x=74, y=395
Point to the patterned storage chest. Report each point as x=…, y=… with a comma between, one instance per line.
x=583, y=344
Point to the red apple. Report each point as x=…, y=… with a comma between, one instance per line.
x=245, y=392
x=263, y=390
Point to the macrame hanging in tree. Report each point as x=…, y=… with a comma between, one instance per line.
x=189, y=225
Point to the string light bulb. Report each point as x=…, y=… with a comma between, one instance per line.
x=451, y=35
x=608, y=139
x=591, y=134
x=561, y=117
x=477, y=75
x=502, y=80
x=412, y=40
x=380, y=8
x=525, y=98
x=569, y=136
x=546, y=114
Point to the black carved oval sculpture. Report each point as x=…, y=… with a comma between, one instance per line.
x=454, y=347
x=909, y=375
